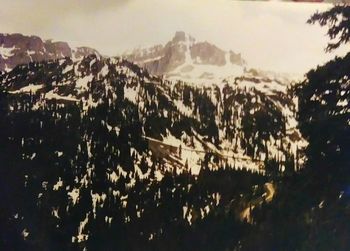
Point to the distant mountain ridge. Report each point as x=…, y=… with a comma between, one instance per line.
x=16, y=49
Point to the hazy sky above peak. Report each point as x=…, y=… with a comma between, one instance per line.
x=270, y=35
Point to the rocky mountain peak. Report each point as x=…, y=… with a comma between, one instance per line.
x=181, y=36
x=185, y=58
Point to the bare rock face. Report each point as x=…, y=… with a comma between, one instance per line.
x=18, y=49
x=184, y=57
x=83, y=51
x=236, y=58
x=180, y=36
x=206, y=53
x=57, y=49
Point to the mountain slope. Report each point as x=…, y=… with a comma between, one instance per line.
x=100, y=149
x=226, y=119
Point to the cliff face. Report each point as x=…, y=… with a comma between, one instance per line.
x=16, y=49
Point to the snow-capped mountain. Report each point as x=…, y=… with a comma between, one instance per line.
x=18, y=49
x=189, y=60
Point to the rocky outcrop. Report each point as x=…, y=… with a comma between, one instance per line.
x=83, y=51
x=206, y=53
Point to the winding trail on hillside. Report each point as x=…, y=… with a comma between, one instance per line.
x=170, y=148
x=270, y=191
x=267, y=197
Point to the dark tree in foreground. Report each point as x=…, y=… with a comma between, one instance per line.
x=324, y=108
x=313, y=205
x=324, y=114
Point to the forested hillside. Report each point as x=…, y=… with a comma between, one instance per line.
x=78, y=146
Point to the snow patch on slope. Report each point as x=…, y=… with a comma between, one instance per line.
x=31, y=88
x=6, y=52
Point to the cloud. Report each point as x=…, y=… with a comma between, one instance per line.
x=39, y=16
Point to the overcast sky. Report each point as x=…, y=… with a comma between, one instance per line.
x=270, y=35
